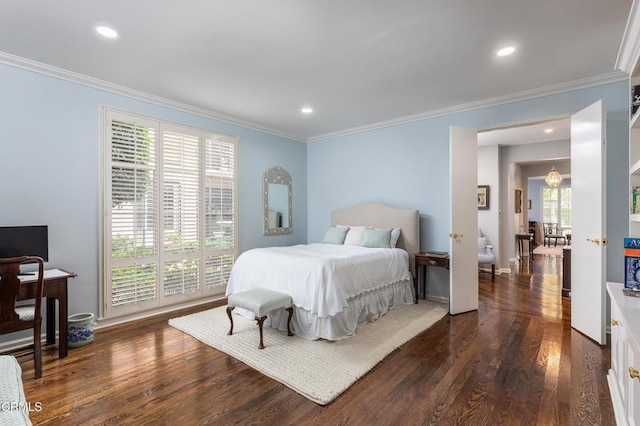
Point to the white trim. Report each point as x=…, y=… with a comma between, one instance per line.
x=38, y=67
x=629, y=50
x=612, y=77
x=41, y=68
x=440, y=299
x=124, y=319
x=102, y=323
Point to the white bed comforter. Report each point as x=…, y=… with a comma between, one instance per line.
x=319, y=277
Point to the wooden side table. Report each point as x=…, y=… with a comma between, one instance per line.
x=423, y=260
x=520, y=239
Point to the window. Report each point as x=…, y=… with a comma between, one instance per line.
x=556, y=206
x=170, y=213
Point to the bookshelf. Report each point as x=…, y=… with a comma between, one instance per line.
x=623, y=377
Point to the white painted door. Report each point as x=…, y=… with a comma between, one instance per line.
x=463, y=245
x=588, y=230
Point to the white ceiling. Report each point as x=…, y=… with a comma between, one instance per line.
x=355, y=62
x=532, y=133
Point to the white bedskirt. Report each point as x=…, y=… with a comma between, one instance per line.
x=363, y=308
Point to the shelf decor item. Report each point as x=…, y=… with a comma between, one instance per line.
x=632, y=263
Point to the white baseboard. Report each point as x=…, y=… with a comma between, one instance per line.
x=13, y=345
x=437, y=298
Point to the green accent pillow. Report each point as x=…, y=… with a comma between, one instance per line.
x=376, y=238
x=335, y=235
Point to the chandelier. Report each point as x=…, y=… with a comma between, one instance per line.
x=553, y=179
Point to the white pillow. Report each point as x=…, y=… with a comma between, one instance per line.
x=395, y=236
x=482, y=244
x=354, y=236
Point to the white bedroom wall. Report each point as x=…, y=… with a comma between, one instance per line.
x=489, y=174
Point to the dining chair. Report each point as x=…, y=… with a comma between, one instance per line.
x=552, y=232
x=13, y=317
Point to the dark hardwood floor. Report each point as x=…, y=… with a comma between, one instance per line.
x=514, y=361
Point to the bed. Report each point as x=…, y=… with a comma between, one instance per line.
x=336, y=287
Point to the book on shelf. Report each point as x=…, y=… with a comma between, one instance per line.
x=635, y=99
x=632, y=264
x=440, y=254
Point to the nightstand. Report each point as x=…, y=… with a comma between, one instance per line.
x=423, y=260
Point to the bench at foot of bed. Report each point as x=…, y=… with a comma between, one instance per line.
x=260, y=301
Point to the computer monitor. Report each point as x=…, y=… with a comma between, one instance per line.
x=24, y=241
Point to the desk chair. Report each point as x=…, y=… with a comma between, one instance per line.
x=17, y=318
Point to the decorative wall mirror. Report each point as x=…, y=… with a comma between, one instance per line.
x=276, y=191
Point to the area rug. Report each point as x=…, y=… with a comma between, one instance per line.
x=319, y=370
x=549, y=251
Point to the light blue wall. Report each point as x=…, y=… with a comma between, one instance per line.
x=408, y=165
x=49, y=167
x=49, y=133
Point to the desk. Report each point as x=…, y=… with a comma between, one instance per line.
x=422, y=261
x=520, y=239
x=55, y=288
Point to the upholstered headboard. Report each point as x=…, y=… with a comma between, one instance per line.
x=381, y=215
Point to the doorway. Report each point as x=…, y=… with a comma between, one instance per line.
x=508, y=158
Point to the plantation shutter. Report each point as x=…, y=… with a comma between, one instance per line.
x=170, y=217
x=133, y=239
x=181, y=212
x=220, y=215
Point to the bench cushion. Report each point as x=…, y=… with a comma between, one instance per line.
x=260, y=301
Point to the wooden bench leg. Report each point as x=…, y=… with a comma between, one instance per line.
x=260, y=321
x=493, y=272
x=229, y=309
x=289, y=333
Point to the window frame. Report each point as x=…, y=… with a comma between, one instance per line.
x=558, y=206
x=209, y=284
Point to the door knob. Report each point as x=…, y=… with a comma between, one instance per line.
x=614, y=322
x=596, y=241
x=455, y=235
x=633, y=373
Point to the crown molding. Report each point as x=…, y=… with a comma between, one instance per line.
x=51, y=71
x=611, y=77
x=627, y=46
x=629, y=50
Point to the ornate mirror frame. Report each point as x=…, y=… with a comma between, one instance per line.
x=277, y=176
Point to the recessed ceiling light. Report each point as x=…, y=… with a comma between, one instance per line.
x=107, y=32
x=306, y=110
x=506, y=51
x=548, y=130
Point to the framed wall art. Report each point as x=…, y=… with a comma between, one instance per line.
x=518, y=201
x=483, y=197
